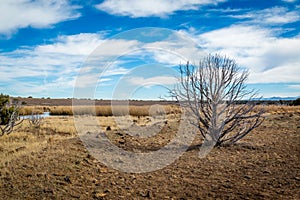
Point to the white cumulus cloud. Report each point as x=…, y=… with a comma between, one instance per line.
x=146, y=8
x=16, y=14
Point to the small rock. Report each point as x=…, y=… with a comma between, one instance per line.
x=108, y=128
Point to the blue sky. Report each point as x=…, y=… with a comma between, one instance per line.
x=48, y=47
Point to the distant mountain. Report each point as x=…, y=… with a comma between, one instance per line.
x=278, y=98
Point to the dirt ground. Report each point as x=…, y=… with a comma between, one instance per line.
x=264, y=165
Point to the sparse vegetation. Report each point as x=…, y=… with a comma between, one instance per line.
x=50, y=162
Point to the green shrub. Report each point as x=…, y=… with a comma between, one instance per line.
x=4, y=99
x=6, y=114
x=5, y=110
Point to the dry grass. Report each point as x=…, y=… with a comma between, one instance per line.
x=116, y=111
x=26, y=138
x=133, y=110
x=17, y=144
x=281, y=109
x=29, y=110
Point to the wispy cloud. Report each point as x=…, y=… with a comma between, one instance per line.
x=174, y=53
x=148, y=82
x=294, y=86
x=269, y=58
x=290, y=1
x=63, y=55
x=51, y=67
x=145, y=8
x=38, y=14
x=270, y=16
x=80, y=44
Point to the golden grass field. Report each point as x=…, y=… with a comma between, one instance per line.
x=105, y=110
x=50, y=162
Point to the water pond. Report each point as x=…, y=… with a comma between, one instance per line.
x=44, y=115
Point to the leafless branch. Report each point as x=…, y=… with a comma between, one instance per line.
x=212, y=92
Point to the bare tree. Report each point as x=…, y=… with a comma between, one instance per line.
x=214, y=92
